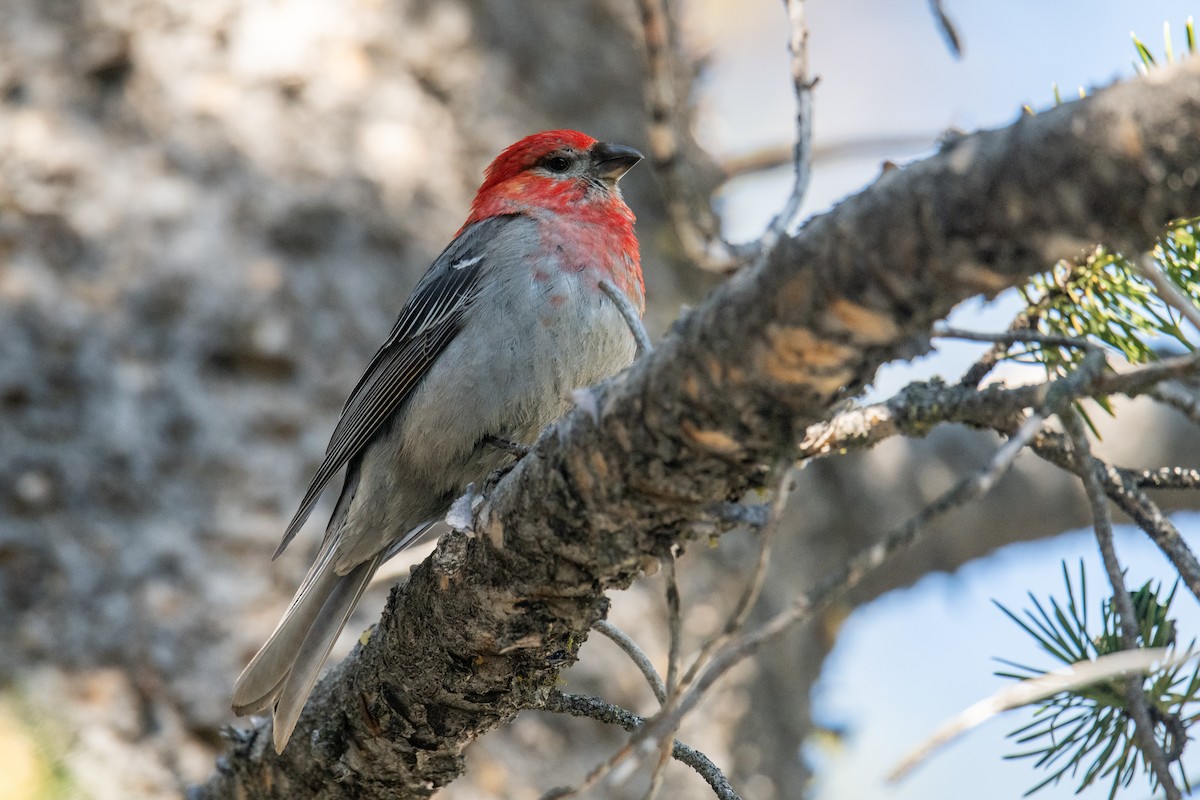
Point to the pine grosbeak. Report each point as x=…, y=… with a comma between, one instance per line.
x=507, y=321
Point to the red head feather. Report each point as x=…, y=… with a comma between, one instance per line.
x=519, y=157
x=577, y=222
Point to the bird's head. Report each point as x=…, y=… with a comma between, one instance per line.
x=555, y=169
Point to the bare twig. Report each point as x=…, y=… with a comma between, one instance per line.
x=674, y=622
x=1168, y=291
x=802, y=154
x=1073, y=385
x=1122, y=488
x=1168, y=478
x=1010, y=336
x=672, y=711
x=1136, y=704
x=1076, y=676
x=636, y=654
x=1150, y=518
x=630, y=315
x=741, y=611
x=691, y=216
x=674, y=641
x=592, y=778
x=674, y=638
x=946, y=27
x=733, y=650
x=917, y=408
x=979, y=370
x=594, y=708
x=1184, y=402
x=978, y=484
x=695, y=223
x=784, y=155
x=659, y=773
x=1051, y=395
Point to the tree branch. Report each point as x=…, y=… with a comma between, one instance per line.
x=593, y=708
x=1136, y=704
x=689, y=425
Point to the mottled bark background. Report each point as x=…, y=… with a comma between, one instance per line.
x=210, y=213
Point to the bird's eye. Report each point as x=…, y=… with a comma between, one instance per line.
x=558, y=164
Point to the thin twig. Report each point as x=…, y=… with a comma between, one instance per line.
x=1185, y=402
x=784, y=155
x=695, y=224
x=674, y=638
x=920, y=406
x=802, y=85
x=658, y=775
x=1168, y=291
x=1168, y=478
x=636, y=655
x=979, y=370
x=1121, y=487
x=691, y=216
x=805, y=606
x=630, y=315
x=594, y=708
x=978, y=484
x=946, y=27
x=1008, y=337
x=1136, y=704
x=674, y=623
x=667, y=720
x=1150, y=518
x=592, y=778
x=745, y=604
x=1031, y=690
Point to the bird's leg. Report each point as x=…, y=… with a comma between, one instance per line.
x=508, y=445
x=515, y=449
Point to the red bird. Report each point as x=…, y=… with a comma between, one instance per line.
x=507, y=321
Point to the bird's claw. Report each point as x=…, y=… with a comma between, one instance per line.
x=508, y=445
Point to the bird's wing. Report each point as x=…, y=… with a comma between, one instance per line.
x=430, y=319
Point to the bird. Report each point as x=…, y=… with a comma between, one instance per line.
x=505, y=324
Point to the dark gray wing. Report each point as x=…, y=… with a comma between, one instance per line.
x=430, y=319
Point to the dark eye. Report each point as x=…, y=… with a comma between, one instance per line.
x=558, y=164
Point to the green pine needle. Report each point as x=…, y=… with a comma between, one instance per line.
x=1103, y=299
x=1147, y=58
x=1085, y=734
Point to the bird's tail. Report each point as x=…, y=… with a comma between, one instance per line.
x=283, y=672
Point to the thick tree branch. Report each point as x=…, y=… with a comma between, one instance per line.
x=460, y=650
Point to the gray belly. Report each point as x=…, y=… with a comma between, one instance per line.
x=509, y=373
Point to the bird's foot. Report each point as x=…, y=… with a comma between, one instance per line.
x=509, y=446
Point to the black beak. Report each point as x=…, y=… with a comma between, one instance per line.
x=613, y=160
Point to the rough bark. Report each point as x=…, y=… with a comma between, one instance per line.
x=481, y=632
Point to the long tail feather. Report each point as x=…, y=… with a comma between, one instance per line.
x=311, y=655
x=260, y=682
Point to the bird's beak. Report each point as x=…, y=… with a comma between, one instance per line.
x=613, y=160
